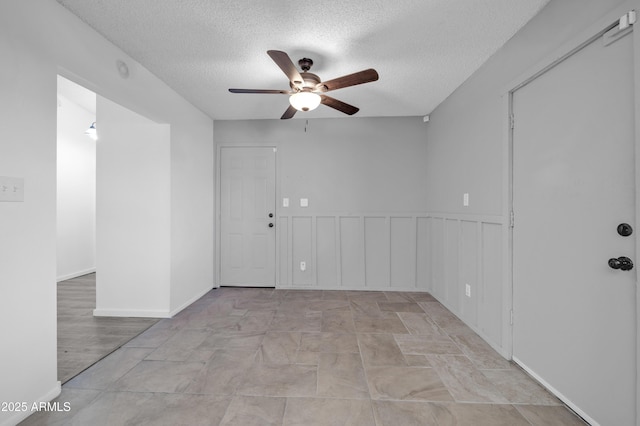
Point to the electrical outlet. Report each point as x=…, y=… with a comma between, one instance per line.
x=467, y=290
x=303, y=266
x=465, y=199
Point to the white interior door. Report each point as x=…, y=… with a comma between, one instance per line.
x=247, y=216
x=573, y=184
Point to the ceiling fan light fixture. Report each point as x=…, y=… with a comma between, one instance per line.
x=305, y=101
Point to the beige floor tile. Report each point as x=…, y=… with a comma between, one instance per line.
x=464, y=381
x=245, y=341
x=338, y=322
x=558, y=415
x=341, y=376
x=103, y=374
x=400, y=307
x=329, y=305
x=303, y=295
x=223, y=373
x=479, y=351
x=426, y=344
x=76, y=399
x=335, y=295
x=367, y=296
x=323, y=412
x=329, y=342
x=519, y=388
x=395, y=413
x=365, y=307
x=421, y=297
x=159, y=376
x=254, y=411
x=180, y=346
x=307, y=358
x=406, y=384
x=477, y=415
x=389, y=322
x=379, y=350
x=398, y=296
x=127, y=408
x=279, y=347
x=419, y=323
x=309, y=321
x=417, y=360
x=279, y=380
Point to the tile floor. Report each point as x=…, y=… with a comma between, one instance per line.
x=244, y=356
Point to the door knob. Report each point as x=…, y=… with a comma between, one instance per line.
x=271, y=225
x=623, y=263
x=624, y=229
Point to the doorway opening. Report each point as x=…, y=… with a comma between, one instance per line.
x=83, y=339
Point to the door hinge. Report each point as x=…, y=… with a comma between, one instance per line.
x=512, y=219
x=512, y=121
x=511, y=317
x=627, y=19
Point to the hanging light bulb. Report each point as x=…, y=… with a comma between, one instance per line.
x=92, y=132
x=305, y=101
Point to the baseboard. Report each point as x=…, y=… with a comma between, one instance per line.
x=557, y=393
x=76, y=274
x=351, y=288
x=19, y=416
x=130, y=313
x=189, y=302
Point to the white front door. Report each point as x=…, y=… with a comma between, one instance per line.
x=247, y=216
x=573, y=184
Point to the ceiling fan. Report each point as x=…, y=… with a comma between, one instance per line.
x=307, y=90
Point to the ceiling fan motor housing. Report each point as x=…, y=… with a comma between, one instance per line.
x=310, y=82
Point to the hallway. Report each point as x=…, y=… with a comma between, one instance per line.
x=247, y=356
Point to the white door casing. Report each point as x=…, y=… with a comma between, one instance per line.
x=247, y=198
x=574, y=181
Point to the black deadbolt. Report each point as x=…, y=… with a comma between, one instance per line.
x=625, y=229
x=623, y=263
x=270, y=214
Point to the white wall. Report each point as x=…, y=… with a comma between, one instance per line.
x=38, y=40
x=76, y=191
x=133, y=214
x=466, y=152
x=364, y=179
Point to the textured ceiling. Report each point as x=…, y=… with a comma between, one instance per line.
x=422, y=49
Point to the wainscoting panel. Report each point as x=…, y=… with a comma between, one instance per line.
x=438, y=253
x=303, y=249
x=403, y=234
x=376, y=248
x=423, y=253
x=327, y=252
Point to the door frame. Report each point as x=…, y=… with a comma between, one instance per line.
x=218, y=208
x=590, y=34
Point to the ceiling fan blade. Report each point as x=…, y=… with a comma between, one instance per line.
x=286, y=65
x=267, y=91
x=339, y=105
x=361, y=77
x=289, y=113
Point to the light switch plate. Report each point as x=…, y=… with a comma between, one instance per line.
x=285, y=202
x=11, y=189
x=304, y=202
x=465, y=199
